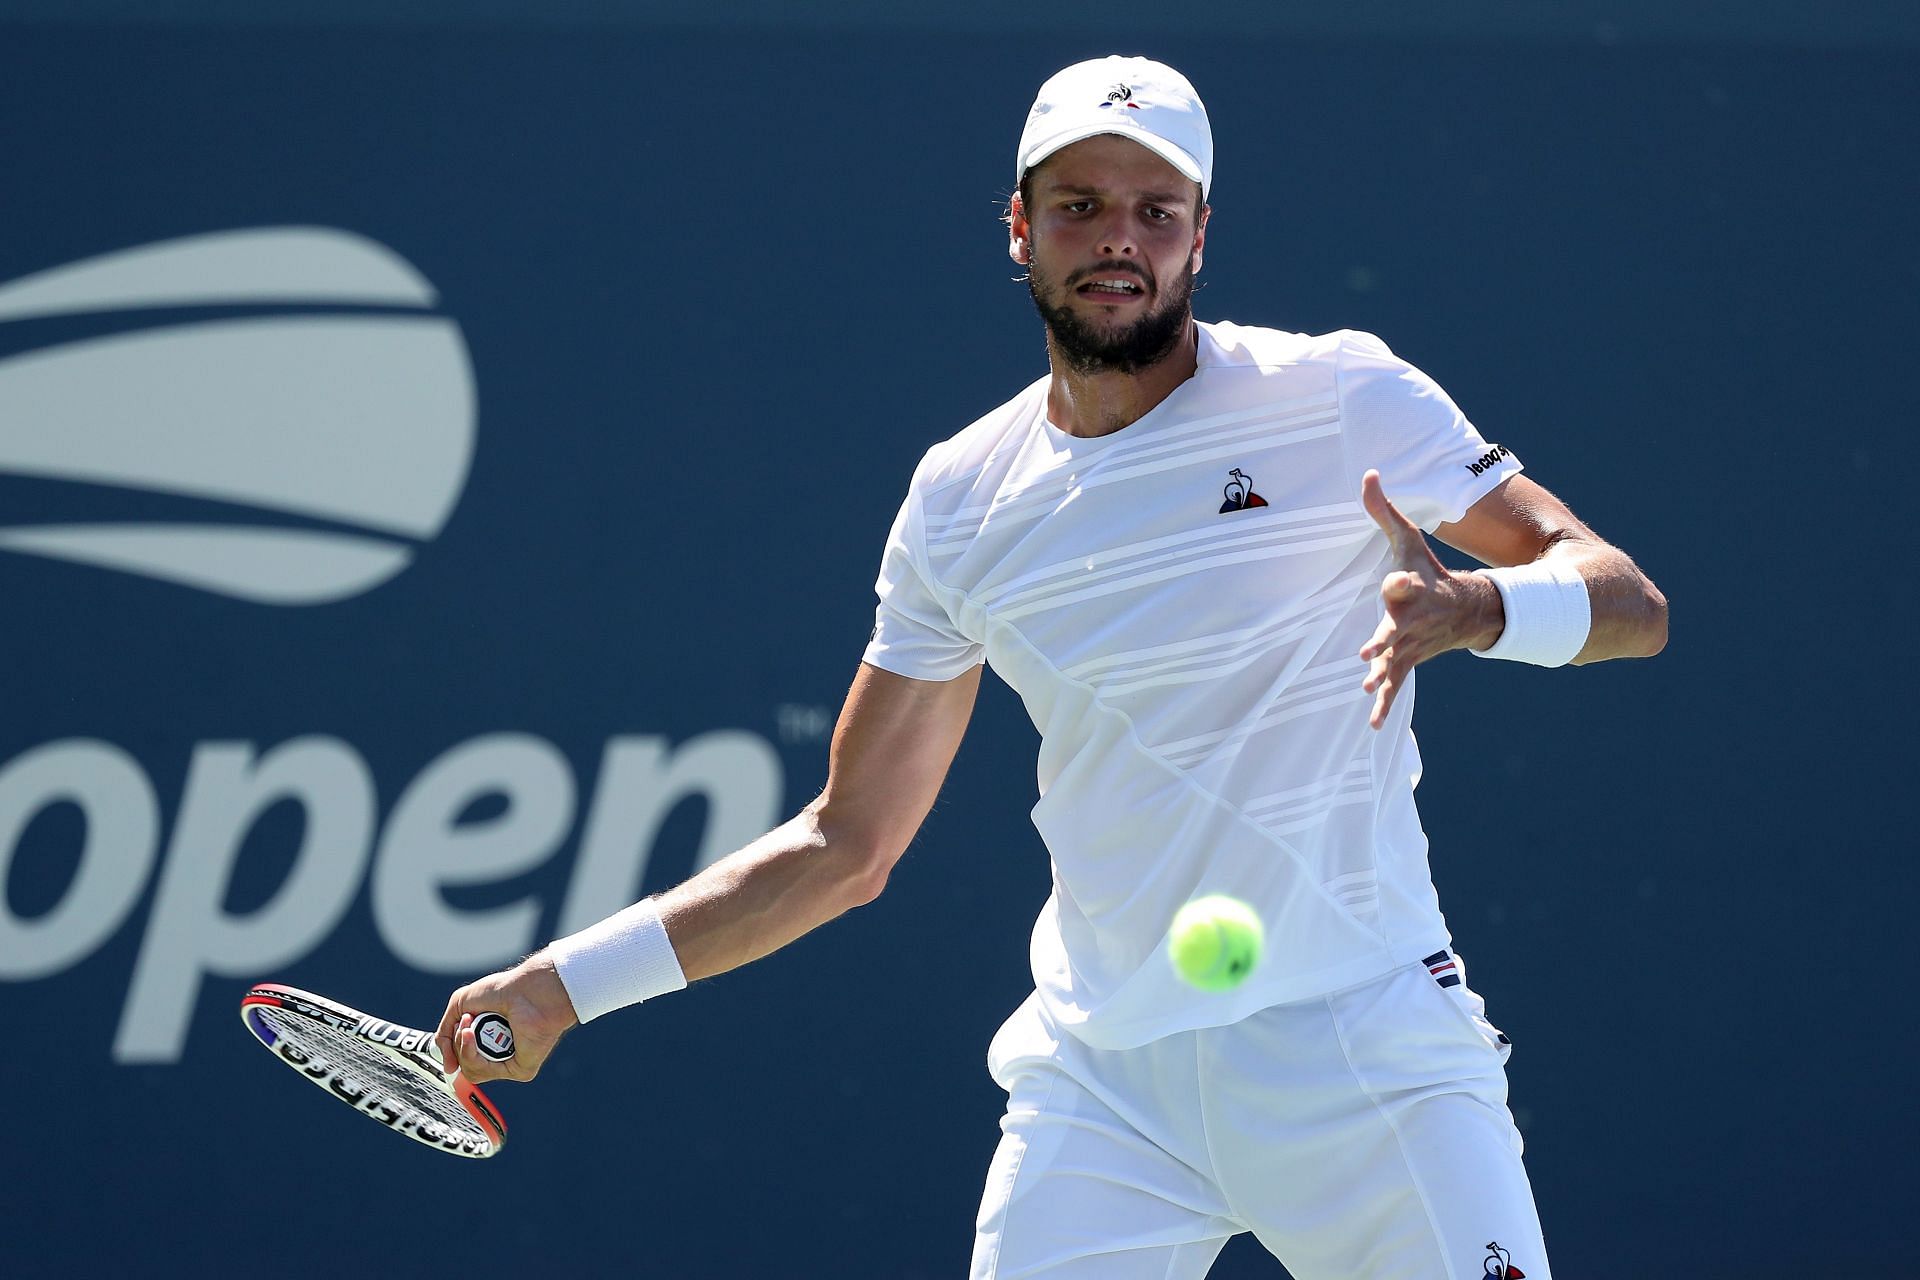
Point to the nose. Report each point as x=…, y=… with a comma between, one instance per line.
x=1116, y=238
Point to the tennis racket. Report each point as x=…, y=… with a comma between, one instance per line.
x=381, y=1069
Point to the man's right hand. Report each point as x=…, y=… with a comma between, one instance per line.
x=534, y=1003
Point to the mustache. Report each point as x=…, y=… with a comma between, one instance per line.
x=1079, y=278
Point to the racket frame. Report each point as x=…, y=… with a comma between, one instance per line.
x=412, y=1050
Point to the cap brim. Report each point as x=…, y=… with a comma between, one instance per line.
x=1153, y=142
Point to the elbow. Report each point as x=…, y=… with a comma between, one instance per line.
x=868, y=884
x=1654, y=629
x=864, y=872
x=862, y=857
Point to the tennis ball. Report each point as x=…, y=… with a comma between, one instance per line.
x=1215, y=942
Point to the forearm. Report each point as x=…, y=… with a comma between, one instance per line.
x=1629, y=613
x=891, y=748
x=1575, y=598
x=755, y=901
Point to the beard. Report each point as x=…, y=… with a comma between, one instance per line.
x=1089, y=347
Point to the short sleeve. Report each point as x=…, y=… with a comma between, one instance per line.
x=1433, y=463
x=913, y=635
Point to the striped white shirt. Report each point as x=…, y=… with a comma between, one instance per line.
x=1180, y=605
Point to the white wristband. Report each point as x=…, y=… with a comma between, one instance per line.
x=1548, y=613
x=623, y=960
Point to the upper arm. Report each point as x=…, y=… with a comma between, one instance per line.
x=1432, y=460
x=891, y=750
x=1514, y=523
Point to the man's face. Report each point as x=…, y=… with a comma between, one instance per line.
x=1112, y=241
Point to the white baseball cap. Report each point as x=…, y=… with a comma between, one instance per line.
x=1134, y=98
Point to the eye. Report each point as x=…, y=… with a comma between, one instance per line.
x=1079, y=206
x=1157, y=214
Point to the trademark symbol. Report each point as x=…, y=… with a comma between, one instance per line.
x=801, y=723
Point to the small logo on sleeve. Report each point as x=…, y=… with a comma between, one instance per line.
x=1488, y=458
x=1240, y=494
x=1498, y=1265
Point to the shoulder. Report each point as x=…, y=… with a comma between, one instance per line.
x=1356, y=350
x=1238, y=344
x=1244, y=366
x=1370, y=375
x=1350, y=373
x=960, y=459
x=1228, y=345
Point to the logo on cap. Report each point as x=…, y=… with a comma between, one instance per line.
x=1122, y=94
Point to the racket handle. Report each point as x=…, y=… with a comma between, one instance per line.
x=493, y=1037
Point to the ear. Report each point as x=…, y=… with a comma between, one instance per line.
x=1200, y=238
x=1019, y=232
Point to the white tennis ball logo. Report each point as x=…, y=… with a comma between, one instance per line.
x=339, y=438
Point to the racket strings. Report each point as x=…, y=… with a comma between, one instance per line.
x=370, y=1068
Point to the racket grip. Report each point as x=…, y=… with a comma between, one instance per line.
x=493, y=1037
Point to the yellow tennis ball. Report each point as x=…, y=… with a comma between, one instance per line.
x=1215, y=942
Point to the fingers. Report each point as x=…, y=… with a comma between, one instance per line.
x=466, y=1052
x=475, y=1065
x=1402, y=587
x=1395, y=589
x=459, y=1050
x=1373, y=496
x=1383, y=703
x=1388, y=669
x=1393, y=651
x=1382, y=639
x=1377, y=672
x=1416, y=602
x=443, y=1034
x=1408, y=542
x=531, y=997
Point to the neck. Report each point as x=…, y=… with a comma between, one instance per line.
x=1099, y=404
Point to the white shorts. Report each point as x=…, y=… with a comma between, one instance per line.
x=1363, y=1135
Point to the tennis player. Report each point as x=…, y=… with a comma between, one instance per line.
x=1197, y=552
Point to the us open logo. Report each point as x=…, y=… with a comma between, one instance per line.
x=310, y=450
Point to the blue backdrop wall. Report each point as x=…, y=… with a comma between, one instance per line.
x=462, y=516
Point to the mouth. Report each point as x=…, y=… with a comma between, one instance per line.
x=1112, y=288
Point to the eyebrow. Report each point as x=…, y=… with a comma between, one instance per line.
x=1154, y=197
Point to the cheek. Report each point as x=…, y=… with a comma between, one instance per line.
x=1067, y=235
x=1046, y=253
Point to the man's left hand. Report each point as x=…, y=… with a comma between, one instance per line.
x=1429, y=608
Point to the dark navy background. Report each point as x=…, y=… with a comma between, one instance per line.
x=721, y=288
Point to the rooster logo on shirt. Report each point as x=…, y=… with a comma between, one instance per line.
x=1240, y=494
x=1498, y=1265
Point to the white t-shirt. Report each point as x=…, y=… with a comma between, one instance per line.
x=1180, y=604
